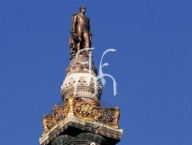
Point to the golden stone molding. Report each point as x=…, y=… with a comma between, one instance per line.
x=81, y=109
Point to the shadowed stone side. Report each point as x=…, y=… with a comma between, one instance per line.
x=84, y=130
x=80, y=139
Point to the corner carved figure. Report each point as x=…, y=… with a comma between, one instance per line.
x=80, y=33
x=57, y=114
x=116, y=116
x=45, y=123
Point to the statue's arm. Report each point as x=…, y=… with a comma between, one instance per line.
x=73, y=23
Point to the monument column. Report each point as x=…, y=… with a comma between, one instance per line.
x=81, y=120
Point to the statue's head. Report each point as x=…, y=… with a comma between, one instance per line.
x=117, y=108
x=82, y=9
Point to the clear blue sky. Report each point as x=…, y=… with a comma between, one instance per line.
x=152, y=66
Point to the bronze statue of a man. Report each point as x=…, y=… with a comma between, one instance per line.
x=80, y=33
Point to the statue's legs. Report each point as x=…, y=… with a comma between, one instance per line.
x=79, y=35
x=83, y=34
x=87, y=43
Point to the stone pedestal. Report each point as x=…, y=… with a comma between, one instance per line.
x=81, y=120
x=81, y=80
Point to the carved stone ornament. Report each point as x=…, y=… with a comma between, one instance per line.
x=80, y=68
x=81, y=109
x=85, y=85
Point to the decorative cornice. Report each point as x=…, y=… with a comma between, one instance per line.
x=81, y=109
